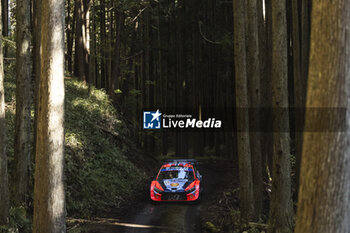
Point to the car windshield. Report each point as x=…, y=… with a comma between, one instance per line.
x=176, y=173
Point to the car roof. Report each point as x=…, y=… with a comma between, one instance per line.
x=180, y=161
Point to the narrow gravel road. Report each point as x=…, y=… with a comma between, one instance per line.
x=172, y=217
x=162, y=218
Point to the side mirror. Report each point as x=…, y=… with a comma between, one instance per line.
x=199, y=176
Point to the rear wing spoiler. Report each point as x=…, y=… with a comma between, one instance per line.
x=179, y=161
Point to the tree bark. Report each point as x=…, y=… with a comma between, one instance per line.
x=115, y=75
x=81, y=44
x=69, y=32
x=266, y=94
x=109, y=45
x=86, y=37
x=92, y=57
x=253, y=73
x=243, y=143
x=299, y=88
x=4, y=192
x=49, y=197
x=5, y=21
x=324, y=203
x=79, y=41
x=305, y=40
x=5, y=17
x=23, y=103
x=281, y=205
x=103, y=81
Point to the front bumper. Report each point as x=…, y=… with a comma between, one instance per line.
x=174, y=196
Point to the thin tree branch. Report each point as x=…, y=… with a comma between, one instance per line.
x=205, y=38
x=133, y=20
x=132, y=56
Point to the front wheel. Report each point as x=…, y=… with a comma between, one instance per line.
x=199, y=200
x=154, y=202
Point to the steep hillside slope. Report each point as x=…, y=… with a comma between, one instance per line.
x=101, y=156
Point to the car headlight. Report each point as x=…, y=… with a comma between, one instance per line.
x=191, y=190
x=157, y=190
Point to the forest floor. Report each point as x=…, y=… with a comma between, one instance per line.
x=218, y=211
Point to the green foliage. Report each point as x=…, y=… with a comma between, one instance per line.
x=99, y=174
x=135, y=92
x=18, y=221
x=211, y=227
x=236, y=217
x=253, y=230
x=9, y=42
x=118, y=91
x=78, y=229
x=227, y=40
x=150, y=83
x=293, y=161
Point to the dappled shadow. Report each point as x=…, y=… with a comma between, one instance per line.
x=99, y=175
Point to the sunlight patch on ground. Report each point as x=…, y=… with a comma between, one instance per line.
x=112, y=221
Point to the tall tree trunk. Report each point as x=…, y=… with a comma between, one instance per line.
x=4, y=192
x=23, y=103
x=92, y=57
x=36, y=63
x=324, y=203
x=181, y=76
x=266, y=94
x=109, y=45
x=70, y=30
x=49, y=197
x=74, y=29
x=244, y=156
x=281, y=205
x=305, y=39
x=5, y=20
x=115, y=75
x=299, y=88
x=253, y=73
x=79, y=41
x=103, y=43
x=86, y=37
x=5, y=17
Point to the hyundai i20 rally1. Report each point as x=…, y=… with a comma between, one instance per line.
x=177, y=180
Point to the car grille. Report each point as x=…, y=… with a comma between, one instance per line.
x=174, y=197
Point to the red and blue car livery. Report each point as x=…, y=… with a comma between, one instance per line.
x=177, y=180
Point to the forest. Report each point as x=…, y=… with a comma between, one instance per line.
x=257, y=91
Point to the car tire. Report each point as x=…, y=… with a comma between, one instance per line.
x=154, y=202
x=199, y=200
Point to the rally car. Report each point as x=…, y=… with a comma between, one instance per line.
x=177, y=180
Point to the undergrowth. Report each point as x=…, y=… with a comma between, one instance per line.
x=102, y=163
x=99, y=174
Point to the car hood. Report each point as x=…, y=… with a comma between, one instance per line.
x=175, y=185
